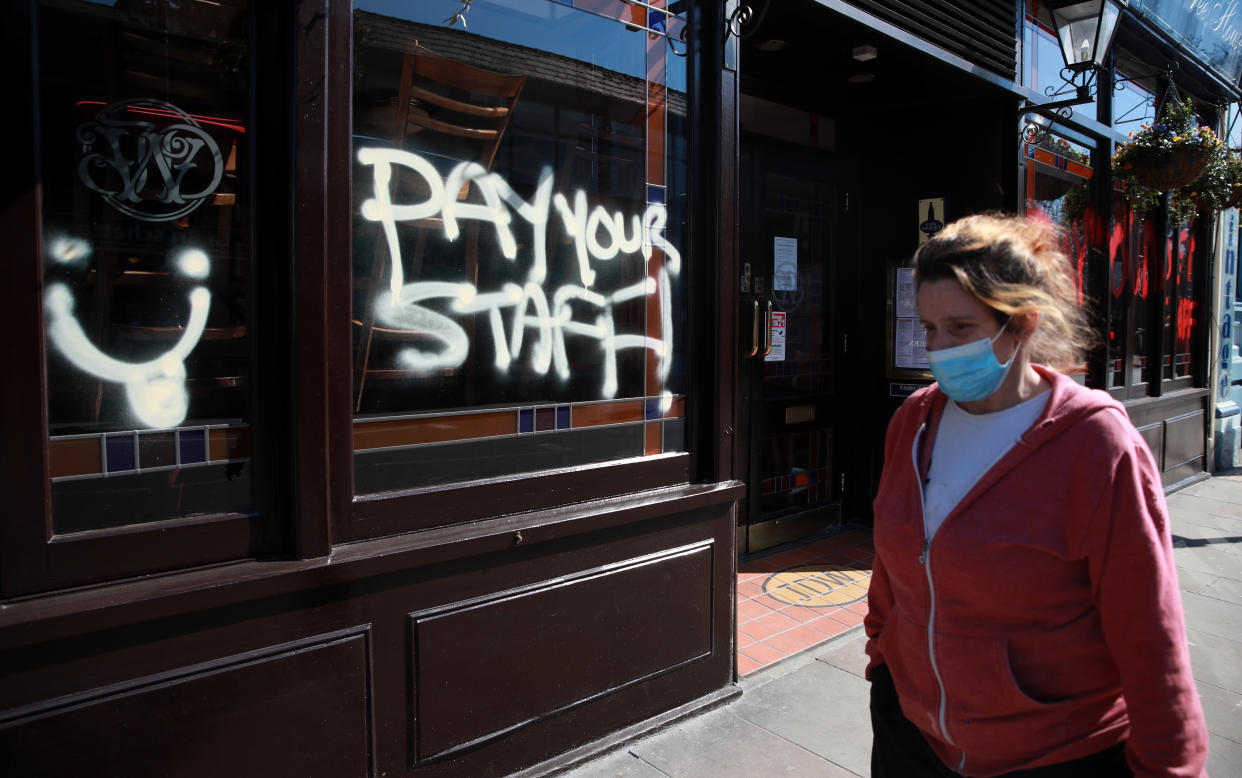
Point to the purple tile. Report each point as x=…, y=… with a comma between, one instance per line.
x=652, y=409
x=545, y=419
x=526, y=420
x=562, y=417
x=655, y=194
x=157, y=449
x=120, y=452
x=193, y=444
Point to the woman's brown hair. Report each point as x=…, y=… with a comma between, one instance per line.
x=1015, y=265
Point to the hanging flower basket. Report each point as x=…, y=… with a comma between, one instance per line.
x=1169, y=154
x=1212, y=189
x=1182, y=166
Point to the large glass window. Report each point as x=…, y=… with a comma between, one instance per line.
x=147, y=260
x=519, y=193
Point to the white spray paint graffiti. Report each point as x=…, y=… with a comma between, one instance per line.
x=155, y=388
x=574, y=309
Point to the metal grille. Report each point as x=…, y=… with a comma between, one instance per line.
x=984, y=33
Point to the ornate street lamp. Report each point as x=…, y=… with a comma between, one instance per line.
x=1085, y=30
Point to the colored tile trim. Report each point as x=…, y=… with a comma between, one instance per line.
x=114, y=453
x=391, y=433
x=75, y=456
x=192, y=446
x=228, y=443
x=654, y=438
x=119, y=453
x=597, y=414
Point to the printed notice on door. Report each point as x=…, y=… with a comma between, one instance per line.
x=910, y=348
x=777, y=354
x=785, y=264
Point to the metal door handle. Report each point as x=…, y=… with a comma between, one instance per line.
x=767, y=333
x=754, y=330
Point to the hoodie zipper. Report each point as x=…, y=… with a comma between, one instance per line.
x=925, y=561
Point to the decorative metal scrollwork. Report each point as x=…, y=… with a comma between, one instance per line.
x=744, y=16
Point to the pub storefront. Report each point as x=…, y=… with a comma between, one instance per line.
x=396, y=385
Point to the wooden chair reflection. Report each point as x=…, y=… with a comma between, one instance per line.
x=451, y=112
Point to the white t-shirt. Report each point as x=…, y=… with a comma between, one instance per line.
x=966, y=447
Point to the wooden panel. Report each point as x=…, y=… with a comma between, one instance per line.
x=485, y=668
x=1184, y=439
x=1153, y=434
x=296, y=709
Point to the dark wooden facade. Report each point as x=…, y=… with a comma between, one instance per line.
x=509, y=625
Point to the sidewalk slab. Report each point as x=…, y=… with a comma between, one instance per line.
x=723, y=745
x=819, y=707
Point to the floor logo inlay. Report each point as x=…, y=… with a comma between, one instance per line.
x=821, y=585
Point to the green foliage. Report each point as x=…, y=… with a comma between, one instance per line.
x=1154, y=145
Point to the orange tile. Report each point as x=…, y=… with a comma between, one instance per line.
x=770, y=601
x=788, y=643
x=653, y=433
x=760, y=630
x=828, y=626
x=859, y=607
x=778, y=621
x=433, y=429
x=748, y=589
x=228, y=443
x=751, y=610
x=846, y=617
x=743, y=640
x=763, y=653
x=801, y=614
x=74, y=457
x=607, y=413
x=746, y=665
x=808, y=635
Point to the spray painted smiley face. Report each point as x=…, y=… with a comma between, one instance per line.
x=155, y=388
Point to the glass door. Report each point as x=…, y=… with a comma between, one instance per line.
x=792, y=343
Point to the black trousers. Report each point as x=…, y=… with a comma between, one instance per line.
x=900, y=751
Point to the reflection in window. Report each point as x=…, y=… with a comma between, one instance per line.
x=519, y=213
x=143, y=123
x=1180, y=315
x=1133, y=103
x=1058, y=176
x=1043, y=61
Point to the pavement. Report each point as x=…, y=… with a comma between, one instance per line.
x=808, y=714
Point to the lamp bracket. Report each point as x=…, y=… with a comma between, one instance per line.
x=1080, y=82
x=742, y=16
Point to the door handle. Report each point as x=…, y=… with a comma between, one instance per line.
x=767, y=332
x=754, y=330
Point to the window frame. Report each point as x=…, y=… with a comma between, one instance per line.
x=356, y=517
x=33, y=558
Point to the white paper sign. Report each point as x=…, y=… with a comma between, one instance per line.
x=777, y=354
x=785, y=264
x=910, y=346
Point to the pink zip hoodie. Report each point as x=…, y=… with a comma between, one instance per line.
x=1042, y=623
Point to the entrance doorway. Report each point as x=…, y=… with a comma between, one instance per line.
x=793, y=340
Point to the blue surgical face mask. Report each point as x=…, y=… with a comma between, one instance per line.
x=970, y=372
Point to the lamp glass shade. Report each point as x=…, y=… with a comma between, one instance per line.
x=1085, y=30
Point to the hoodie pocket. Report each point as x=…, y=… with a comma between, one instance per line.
x=988, y=711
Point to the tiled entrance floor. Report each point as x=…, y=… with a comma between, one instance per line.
x=799, y=598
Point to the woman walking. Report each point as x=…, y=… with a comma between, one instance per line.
x=1024, y=610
